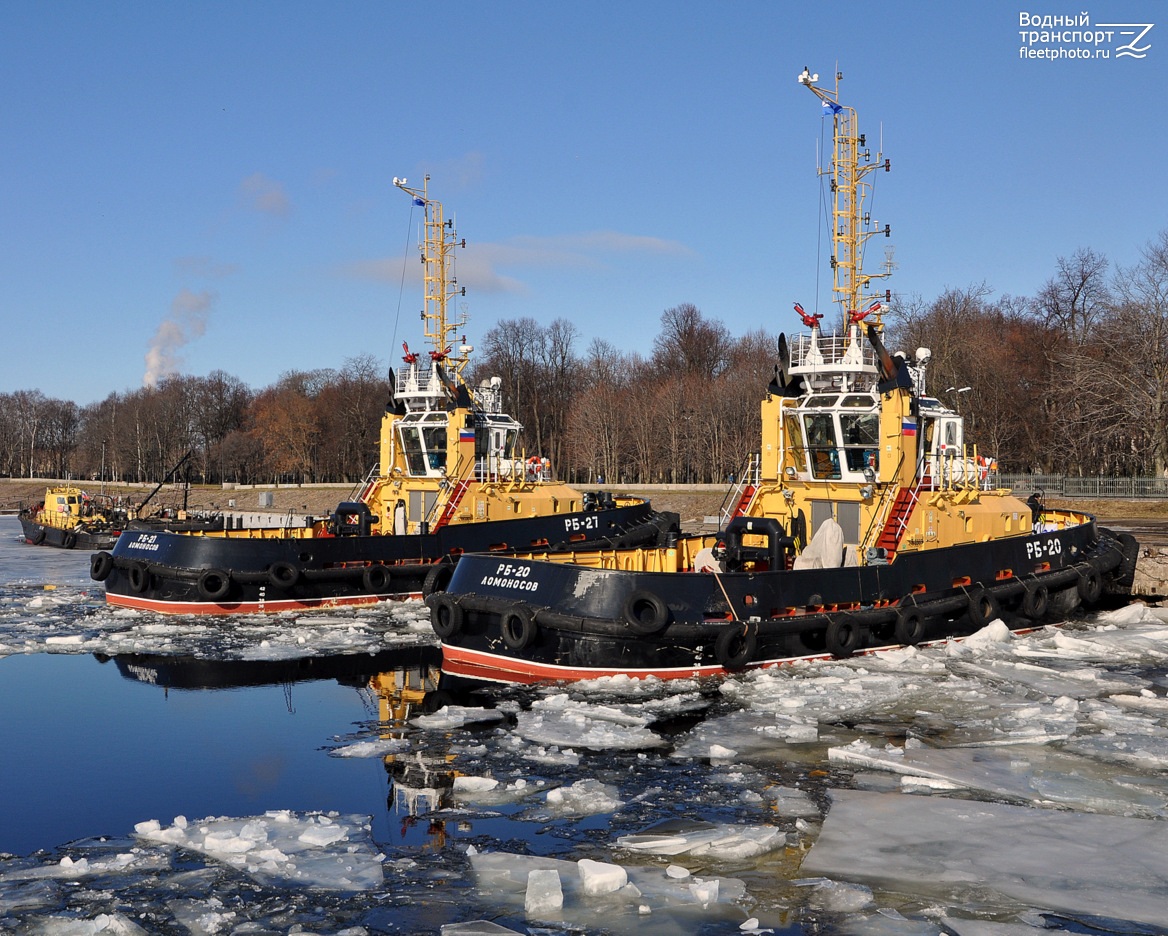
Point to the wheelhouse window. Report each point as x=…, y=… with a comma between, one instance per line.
x=822, y=446
x=423, y=442
x=861, y=435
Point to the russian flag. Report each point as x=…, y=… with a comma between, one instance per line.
x=908, y=427
x=465, y=435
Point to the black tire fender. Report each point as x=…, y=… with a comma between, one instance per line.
x=139, y=577
x=519, y=628
x=38, y=537
x=736, y=645
x=214, y=584
x=984, y=607
x=100, y=566
x=283, y=575
x=910, y=626
x=446, y=617
x=1036, y=601
x=645, y=612
x=69, y=540
x=843, y=637
x=375, y=578
x=1090, y=585
x=438, y=577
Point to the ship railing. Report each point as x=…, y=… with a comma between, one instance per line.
x=413, y=381
x=511, y=470
x=811, y=353
x=748, y=478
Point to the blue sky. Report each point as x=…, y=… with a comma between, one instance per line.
x=217, y=177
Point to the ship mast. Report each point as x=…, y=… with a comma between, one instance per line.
x=438, y=243
x=851, y=227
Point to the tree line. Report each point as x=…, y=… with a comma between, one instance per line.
x=1073, y=381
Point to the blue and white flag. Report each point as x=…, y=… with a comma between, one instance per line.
x=420, y=202
x=831, y=107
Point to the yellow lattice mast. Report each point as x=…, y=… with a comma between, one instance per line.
x=851, y=226
x=438, y=243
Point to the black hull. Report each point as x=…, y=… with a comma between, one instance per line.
x=525, y=621
x=39, y=534
x=177, y=574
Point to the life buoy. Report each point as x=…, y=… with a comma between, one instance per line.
x=446, y=617
x=139, y=576
x=736, y=645
x=213, y=584
x=100, y=566
x=910, y=626
x=645, y=612
x=519, y=627
x=69, y=540
x=983, y=607
x=438, y=577
x=1090, y=586
x=375, y=578
x=283, y=574
x=843, y=637
x=1036, y=602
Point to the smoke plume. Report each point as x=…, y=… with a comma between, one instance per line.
x=187, y=321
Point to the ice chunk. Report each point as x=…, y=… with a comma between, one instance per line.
x=587, y=797
x=598, y=877
x=456, y=716
x=316, y=850
x=544, y=895
x=1059, y=861
x=719, y=841
x=476, y=928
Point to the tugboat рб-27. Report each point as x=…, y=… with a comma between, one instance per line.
x=909, y=546
x=451, y=480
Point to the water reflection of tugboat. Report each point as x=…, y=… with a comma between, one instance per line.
x=909, y=544
x=408, y=665
x=451, y=480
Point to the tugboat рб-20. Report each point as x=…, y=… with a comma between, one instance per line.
x=909, y=545
x=451, y=480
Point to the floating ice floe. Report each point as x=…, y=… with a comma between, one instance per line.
x=600, y=893
x=1066, y=862
x=456, y=716
x=681, y=837
x=316, y=850
x=562, y=722
x=1039, y=776
x=377, y=748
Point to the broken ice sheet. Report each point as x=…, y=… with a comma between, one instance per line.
x=587, y=894
x=723, y=841
x=564, y=723
x=1031, y=774
x=1066, y=862
x=456, y=716
x=323, y=851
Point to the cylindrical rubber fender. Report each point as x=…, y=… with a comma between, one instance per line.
x=375, y=578
x=910, y=626
x=843, y=637
x=438, y=577
x=100, y=566
x=283, y=574
x=69, y=540
x=1036, y=601
x=213, y=584
x=446, y=617
x=736, y=645
x=645, y=612
x=1090, y=585
x=38, y=537
x=519, y=627
x=983, y=607
x=139, y=577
